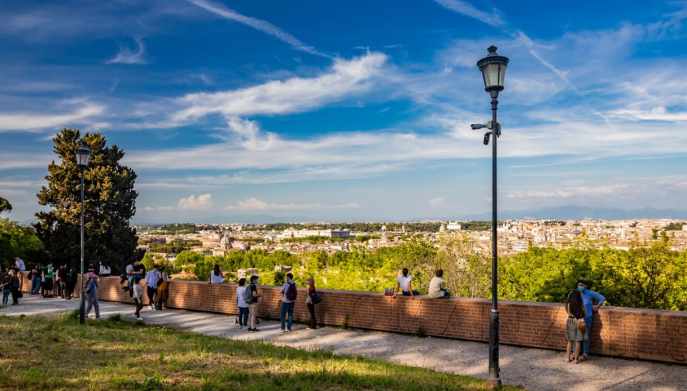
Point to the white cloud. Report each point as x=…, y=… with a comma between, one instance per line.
x=128, y=56
x=254, y=204
x=28, y=121
x=195, y=202
x=569, y=192
x=258, y=24
x=296, y=94
x=467, y=9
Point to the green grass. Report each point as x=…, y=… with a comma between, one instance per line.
x=58, y=353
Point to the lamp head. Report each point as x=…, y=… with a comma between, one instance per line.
x=83, y=155
x=493, y=68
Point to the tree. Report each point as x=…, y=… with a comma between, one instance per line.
x=110, y=202
x=5, y=205
x=18, y=241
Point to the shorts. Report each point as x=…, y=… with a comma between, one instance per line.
x=138, y=291
x=573, y=332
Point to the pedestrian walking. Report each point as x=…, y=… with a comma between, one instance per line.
x=152, y=279
x=92, y=292
x=289, y=294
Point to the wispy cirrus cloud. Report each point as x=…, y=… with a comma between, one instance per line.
x=36, y=121
x=295, y=94
x=130, y=56
x=492, y=18
x=258, y=24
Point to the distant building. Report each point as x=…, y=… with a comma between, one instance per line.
x=454, y=226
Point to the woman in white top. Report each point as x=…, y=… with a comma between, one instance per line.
x=403, y=283
x=437, y=290
x=241, y=303
x=216, y=277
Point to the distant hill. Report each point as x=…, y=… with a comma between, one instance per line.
x=580, y=212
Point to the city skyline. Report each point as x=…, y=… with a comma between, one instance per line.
x=236, y=111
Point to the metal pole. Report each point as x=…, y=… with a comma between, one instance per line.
x=494, y=371
x=82, y=307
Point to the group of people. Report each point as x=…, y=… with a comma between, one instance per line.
x=50, y=282
x=156, y=286
x=248, y=298
x=437, y=285
x=581, y=306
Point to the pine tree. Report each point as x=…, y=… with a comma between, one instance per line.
x=110, y=202
x=5, y=205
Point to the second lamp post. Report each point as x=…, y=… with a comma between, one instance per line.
x=83, y=154
x=493, y=68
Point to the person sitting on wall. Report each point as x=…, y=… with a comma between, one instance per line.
x=437, y=286
x=591, y=301
x=404, y=284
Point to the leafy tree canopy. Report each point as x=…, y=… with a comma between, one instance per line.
x=110, y=202
x=5, y=205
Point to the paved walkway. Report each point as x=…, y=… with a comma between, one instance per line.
x=536, y=369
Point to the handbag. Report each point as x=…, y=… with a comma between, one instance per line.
x=581, y=326
x=315, y=298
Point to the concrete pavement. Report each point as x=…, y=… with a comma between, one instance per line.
x=536, y=369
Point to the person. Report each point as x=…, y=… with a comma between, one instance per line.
x=5, y=280
x=129, y=270
x=91, y=291
x=137, y=289
x=241, y=303
x=15, y=285
x=289, y=293
x=19, y=264
x=35, y=277
x=47, y=284
x=21, y=267
x=216, y=276
x=62, y=281
x=152, y=279
x=162, y=289
x=72, y=278
x=253, y=297
x=404, y=284
x=437, y=287
x=575, y=326
x=591, y=301
x=311, y=301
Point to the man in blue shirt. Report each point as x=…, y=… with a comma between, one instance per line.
x=591, y=301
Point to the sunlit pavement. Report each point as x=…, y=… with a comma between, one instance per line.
x=536, y=369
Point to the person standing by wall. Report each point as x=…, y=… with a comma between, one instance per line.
x=289, y=294
x=152, y=279
x=137, y=289
x=15, y=285
x=312, y=300
x=575, y=328
x=21, y=267
x=47, y=283
x=91, y=291
x=5, y=280
x=592, y=301
x=253, y=298
x=162, y=289
x=241, y=303
x=216, y=276
x=35, y=277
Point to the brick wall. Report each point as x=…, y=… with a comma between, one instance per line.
x=621, y=332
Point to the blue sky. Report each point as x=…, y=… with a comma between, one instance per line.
x=355, y=110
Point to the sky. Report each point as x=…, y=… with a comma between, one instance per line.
x=350, y=111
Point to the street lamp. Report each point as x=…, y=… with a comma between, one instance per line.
x=493, y=68
x=83, y=154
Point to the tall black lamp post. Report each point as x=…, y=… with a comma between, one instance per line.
x=83, y=154
x=493, y=68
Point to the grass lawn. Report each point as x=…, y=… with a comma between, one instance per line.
x=58, y=353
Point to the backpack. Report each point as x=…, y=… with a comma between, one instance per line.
x=248, y=295
x=291, y=292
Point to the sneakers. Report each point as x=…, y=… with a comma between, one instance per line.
x=139, y=318
x=252, y=330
